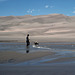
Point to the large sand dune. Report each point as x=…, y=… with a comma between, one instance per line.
x=54, y=27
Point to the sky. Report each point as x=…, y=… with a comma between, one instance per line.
x=36, y=7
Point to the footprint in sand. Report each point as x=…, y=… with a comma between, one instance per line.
x=11, y=60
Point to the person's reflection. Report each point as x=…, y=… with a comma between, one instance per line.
x=27, y=43
x=27, y=51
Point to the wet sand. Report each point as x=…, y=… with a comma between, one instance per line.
x=62, y=60
x=17, y=57
x=68, y=69
x=48, y=69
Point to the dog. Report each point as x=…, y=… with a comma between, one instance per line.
x=36, y=43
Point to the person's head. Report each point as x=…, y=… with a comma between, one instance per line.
x=27, y=34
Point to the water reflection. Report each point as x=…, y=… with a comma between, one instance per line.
x=27, y=49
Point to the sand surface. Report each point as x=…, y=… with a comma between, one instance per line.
x=17, y=57
x=60, y=60
x=14, y=63
x=48, y=28
x=68, y=69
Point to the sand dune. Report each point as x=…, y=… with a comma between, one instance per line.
x=52, y=26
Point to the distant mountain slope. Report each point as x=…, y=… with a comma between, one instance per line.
x=52, y=24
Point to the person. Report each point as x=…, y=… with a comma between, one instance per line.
x=27, y=43
x=27, y=40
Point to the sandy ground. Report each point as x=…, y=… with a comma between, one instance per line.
x=48, y=69
x=60, y=60
x=68, y=69
x=16, y=57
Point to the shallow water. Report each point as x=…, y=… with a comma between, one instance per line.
x=42, y=46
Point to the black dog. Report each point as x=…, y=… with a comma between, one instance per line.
x=36, y=43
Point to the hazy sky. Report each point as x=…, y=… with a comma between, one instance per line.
x=36, y=7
